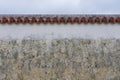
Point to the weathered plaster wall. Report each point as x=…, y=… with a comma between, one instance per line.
x=60, y=60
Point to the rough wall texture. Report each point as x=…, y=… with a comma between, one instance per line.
x=60, y=60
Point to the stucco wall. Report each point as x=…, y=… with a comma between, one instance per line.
x=60, y=60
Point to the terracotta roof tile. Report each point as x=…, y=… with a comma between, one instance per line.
x=64, y=19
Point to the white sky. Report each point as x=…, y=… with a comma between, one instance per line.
x=59, y=6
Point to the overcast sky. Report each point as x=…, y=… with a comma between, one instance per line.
x=59, y=6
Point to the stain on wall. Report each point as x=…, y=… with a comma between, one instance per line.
x=60, y=60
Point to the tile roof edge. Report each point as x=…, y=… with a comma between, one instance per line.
x=60, y=19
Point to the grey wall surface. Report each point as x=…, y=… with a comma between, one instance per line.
x=60, y=60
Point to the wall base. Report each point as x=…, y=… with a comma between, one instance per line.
x=60, y=60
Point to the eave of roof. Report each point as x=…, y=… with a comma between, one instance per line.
x=60, y=19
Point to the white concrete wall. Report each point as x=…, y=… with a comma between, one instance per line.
x=64, y=52
x=75, y=31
